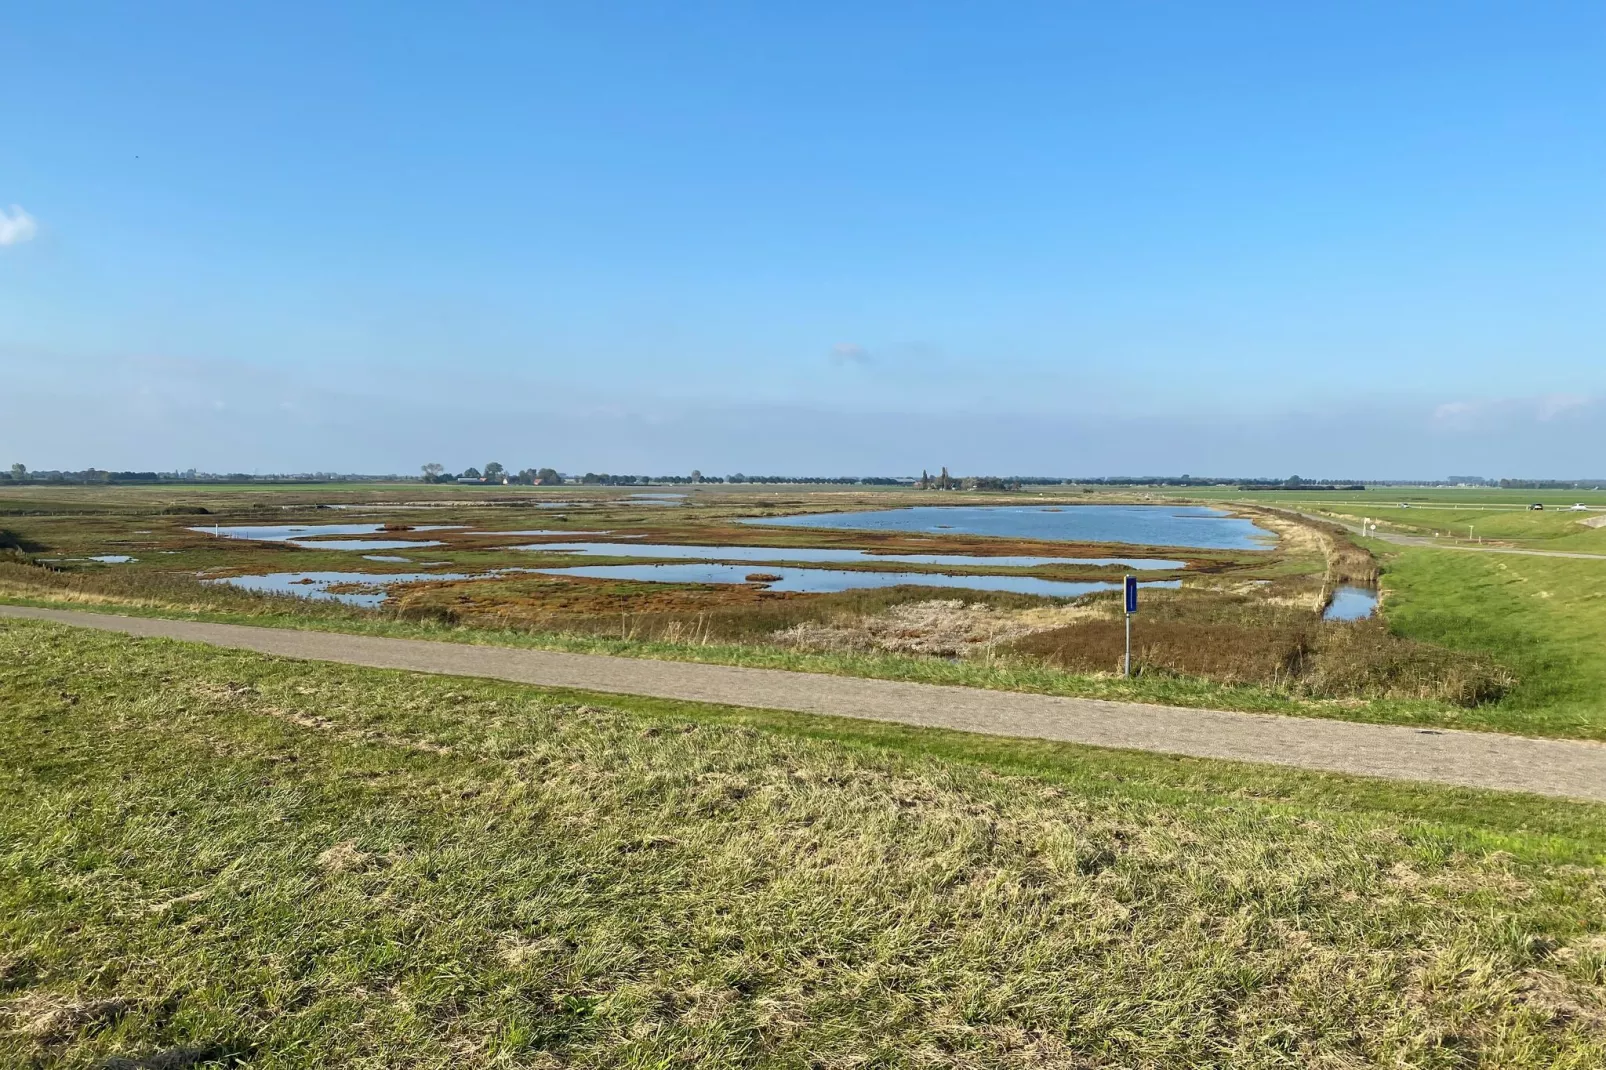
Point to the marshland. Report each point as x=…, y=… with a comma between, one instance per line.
x=1263, y=602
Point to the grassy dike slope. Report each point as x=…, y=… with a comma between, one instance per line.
x=209, y=856
x=1544, y=617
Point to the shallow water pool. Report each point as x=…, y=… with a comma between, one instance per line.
x=1141, y=525
x=826, y=581
x=317, y=584
x=1351, y=603
x=832, y=555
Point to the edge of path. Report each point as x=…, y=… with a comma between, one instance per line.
x=1564, y=768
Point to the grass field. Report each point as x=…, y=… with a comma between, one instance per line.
x=1543, y=616
x=1457, y=514
x=211, y=856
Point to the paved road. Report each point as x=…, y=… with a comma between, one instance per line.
x=1469, y=759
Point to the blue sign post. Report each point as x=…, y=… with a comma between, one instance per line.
x=1131, y=586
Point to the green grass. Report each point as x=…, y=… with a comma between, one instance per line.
x=1544, y=617
x=211, y=855
x=1461, y=514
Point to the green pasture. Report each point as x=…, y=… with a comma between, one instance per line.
x=1545, y=617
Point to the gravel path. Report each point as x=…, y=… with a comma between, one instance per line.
x=1468, y=759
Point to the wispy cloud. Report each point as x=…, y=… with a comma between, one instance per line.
x=17, y=226
x=1456, y=412
x=849, y=353
x=1485, y=413
x=1554, y=405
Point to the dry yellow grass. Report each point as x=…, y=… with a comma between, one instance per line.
x=365, y=869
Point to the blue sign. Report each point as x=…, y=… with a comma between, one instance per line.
x=1131, y=594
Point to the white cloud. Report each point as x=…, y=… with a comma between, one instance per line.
x=17, y=227
x=849, y=353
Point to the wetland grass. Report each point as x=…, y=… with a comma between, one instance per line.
x=1243, y=634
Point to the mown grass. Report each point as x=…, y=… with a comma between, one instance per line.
x=1544, y=617
x=212, y=855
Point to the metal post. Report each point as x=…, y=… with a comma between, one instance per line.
x=1127, y=665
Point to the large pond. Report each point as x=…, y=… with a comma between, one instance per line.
x=825, y=581
x=1141, y=525
x=831, y=555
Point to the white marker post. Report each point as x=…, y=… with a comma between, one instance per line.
x=1131, y=586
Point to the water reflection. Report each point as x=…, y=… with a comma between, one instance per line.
x=825, y=581
x=543, y=531
x=834, y=555
x=324, y=536
x=1351, y=603
x=285, y=532
x=363, y=544
x=371, y=586
x=1141, y=525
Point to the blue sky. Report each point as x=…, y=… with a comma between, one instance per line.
x=1357, y=240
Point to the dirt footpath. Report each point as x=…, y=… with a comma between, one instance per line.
x=1469, y=759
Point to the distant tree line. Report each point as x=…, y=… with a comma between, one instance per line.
x=1295, y=483
x=1183, y=480
x=735, y=477
x=846, y=481
x=1552, y=484
x=495, y=472
x=19, y=473
x=944, y=481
